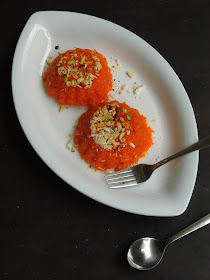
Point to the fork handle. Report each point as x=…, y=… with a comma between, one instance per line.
x=203, y=143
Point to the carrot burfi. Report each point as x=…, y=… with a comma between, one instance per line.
x=79, y=77
x=112, y=136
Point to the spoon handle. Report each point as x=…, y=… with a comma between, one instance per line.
x=200, y=223
x=203, y=143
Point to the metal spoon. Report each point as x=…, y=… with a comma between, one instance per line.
x=146, y=253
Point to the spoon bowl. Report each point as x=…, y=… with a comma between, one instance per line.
x=146, y=253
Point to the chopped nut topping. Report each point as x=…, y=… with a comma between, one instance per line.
x=73, y=149
x=132, y=145
x=112, y=96
x=77, y=71
x=82, y=59
x=117, y=61
x=62, y=71
x=123, y=87
x=79, y=80
x=120, y=92
x=131, y=74
x=122, y=134
x=62, y=108
x=71, y=62
x=68, y=145
x=107, y=127
x=98, y=65
x=119, y=126
x=48, y=61
x=137, y=89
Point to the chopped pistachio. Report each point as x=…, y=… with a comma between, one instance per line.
x=128, y=117
x=65, y=79
x=71, y=62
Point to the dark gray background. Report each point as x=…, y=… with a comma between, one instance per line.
x=48, y=230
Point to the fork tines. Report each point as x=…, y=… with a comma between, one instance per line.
x=121, y=179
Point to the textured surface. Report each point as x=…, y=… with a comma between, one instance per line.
x=49, y=230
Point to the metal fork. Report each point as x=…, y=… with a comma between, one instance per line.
x=142, y=172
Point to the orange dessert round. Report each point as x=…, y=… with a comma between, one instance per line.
x=112, y=136
x=79, y=77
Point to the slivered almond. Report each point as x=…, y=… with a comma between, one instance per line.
x=62, y=108
x=98, y=65
x=117, y=61
x=48, y=62
x=137, y=89
x=82, y=59
x=68, y=145
x=104, y=109
x=124, y=87
x=116, y=134
x=110, y=123
x=79, y=80
x=132, y=145
x=131, y=74
x=112, y=96
x=122, y=134
x=119, y=126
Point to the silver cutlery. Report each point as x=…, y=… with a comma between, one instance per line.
x=146, y=253
x=142, y=172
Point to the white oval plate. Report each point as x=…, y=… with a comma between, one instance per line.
x=163, y=101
